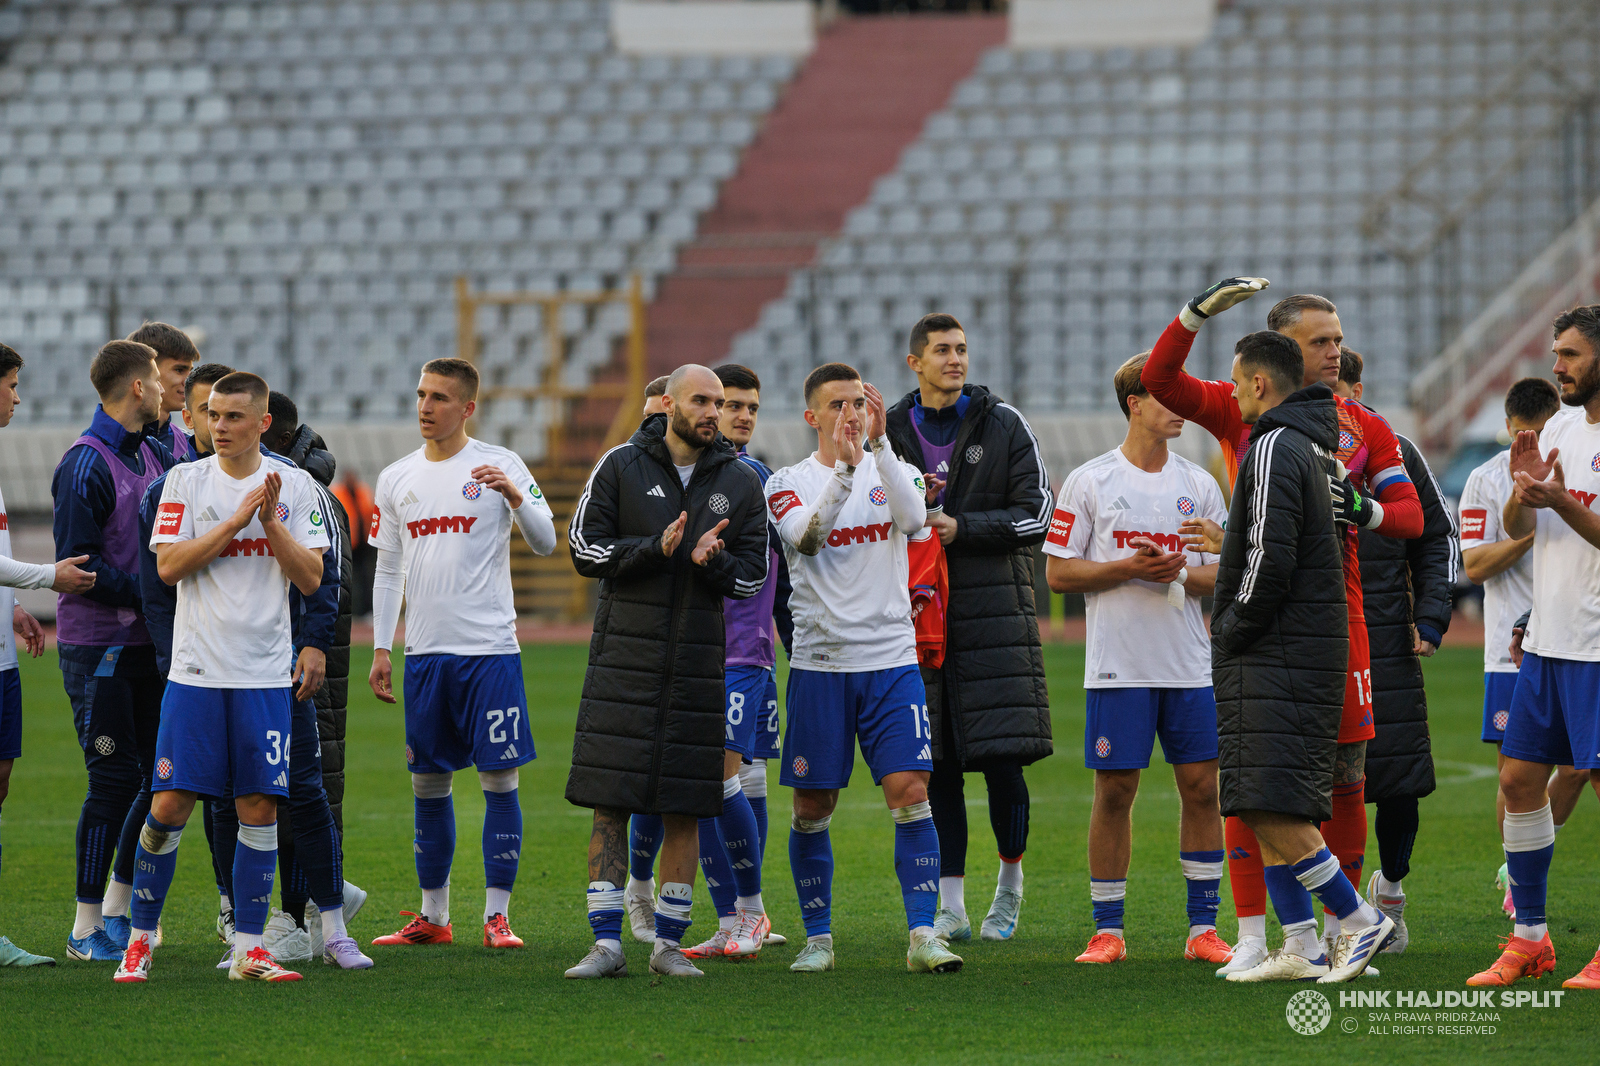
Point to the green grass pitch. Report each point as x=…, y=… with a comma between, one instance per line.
x=1023, y=1001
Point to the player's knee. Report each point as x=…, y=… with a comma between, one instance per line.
x=431, y=786
x=1570, y=776
x=813, y=806
x=1114, y=790
x=498, y=780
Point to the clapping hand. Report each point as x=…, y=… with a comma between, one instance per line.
x=847, y=438
x=1201, y=535
x=709, y=544
x=673, y=534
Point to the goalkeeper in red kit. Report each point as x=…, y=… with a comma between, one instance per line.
x=1376, y=494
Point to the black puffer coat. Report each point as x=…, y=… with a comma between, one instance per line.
x=1405, y=582
x=308, y=451
x=1279, y=628
x=650, y=725
x=992, y=685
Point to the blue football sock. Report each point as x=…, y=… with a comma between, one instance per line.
x=716, y=869
x=1530, y=841
x=435, y=840
x=647, y=833
x=1290, y=900
x=736, y=829
x=672, y=911
x=1108, y=897
x=605, y=910
x=758, y=807
x=152, y=872
x=1322, y=875
x=1202, y=872
x=811, y=863
x=255, y=861
x=502, y=838
x=916, y=862
x=128, y=842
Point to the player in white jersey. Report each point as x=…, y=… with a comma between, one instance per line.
x=1116, y=538
x=232, y=532
x=62, y=577
x=1555, y=707
x=1502, y=566
x=442, y=527
x=843, y=514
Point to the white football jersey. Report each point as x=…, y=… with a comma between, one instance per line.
x=851, y=601
x=1510, y=592
x=1566, y=568
x=232, y=627
x=1137, y=639
x=454, y=540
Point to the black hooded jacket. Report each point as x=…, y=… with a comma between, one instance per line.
x=1405, y=583
x=650, y=732
x=992, y=684
x=1279, y=627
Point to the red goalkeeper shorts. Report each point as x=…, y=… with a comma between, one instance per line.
x=1356, y=722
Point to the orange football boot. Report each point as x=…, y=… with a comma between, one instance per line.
x=417, y=931
x=1588, y=977
x=1208, y=947
x=497, y=933
x=1521, y=958
x=1104, y=947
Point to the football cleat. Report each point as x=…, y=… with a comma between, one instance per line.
x=345, y=953
x=497, y=933
x=776, y=940
x=1104, y=947
x=1352, y=951
x=285, y=940
x=1588, y=977
x=1521, y=958
x=354, y=899
x=1207, y=947
x=1283, y=965
x=96, y=947
x=1001, y=921
x=714, y=948
x=225, y=926
x=417, y=931
x=259, y=965
x=948, y=926
x=11, y=955
x=1393, y=907
x=815, y=957
x=135, y=965
x=668, y=960
x=227, y=959
x=929, y=954
x=641, y=917
x=1248, y=953
x=600, y=962
x=118, y=927
x=1502, y=879
x=748, y=935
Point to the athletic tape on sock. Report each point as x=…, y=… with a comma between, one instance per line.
x=1314, y=877
x=914, y=813
x=259, y=837
x=1530, y=830
x=753, y=779
x=731, y=787
x=498, y=780
x=160, y=839
x=810, y=825
x=431, y=786
x=1106, y=891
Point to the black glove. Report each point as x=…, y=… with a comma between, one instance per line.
x=1351, y=506
x=1521, y=624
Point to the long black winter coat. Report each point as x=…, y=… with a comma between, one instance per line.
x=650, y=732
x=1405, y=582
x=992, y=685
x=1279, y=628
x=308, y=451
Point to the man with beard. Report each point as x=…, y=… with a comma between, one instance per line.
x=1555, y=707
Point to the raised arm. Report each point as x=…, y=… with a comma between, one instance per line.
x=805, y=526
x=1210, y=403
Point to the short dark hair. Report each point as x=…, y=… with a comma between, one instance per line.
x=116, y=364
x=734, y=376
x=457, y=369
x=285, y=420
x=1127, y=383
x=1532, y=400
x=1586, y=320
x=938, y=322
x=1271, y=353
x=829, y=372
x=1350, y=365
x=658, y=387
x=1289, y=310
x=168, y=342
x=243, y=383
x=9, y=360
x=204, y=374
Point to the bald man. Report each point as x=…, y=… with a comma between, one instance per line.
x=671, y=524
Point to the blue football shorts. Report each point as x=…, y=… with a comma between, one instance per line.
x=748, y=689
x=887, y=710
x=1497, y=690
x=466, y=710
x=1123, y=724
x=1555, y=713
x=214, y=741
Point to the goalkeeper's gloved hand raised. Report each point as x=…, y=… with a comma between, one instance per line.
x=1221, y=296
x=1351, y=506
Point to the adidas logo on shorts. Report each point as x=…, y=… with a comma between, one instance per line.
x=510, y=752
x=926, y=752
x=282, y=780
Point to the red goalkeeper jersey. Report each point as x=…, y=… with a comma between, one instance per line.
x=1367, y=446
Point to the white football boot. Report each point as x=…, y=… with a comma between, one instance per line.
x=1282, y=965
x=1248, y=953
x=1354, y=950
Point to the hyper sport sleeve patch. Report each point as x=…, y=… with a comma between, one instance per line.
x=1061, y=527
x=781, y=503
x=169, y=519
x=1473, y=520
